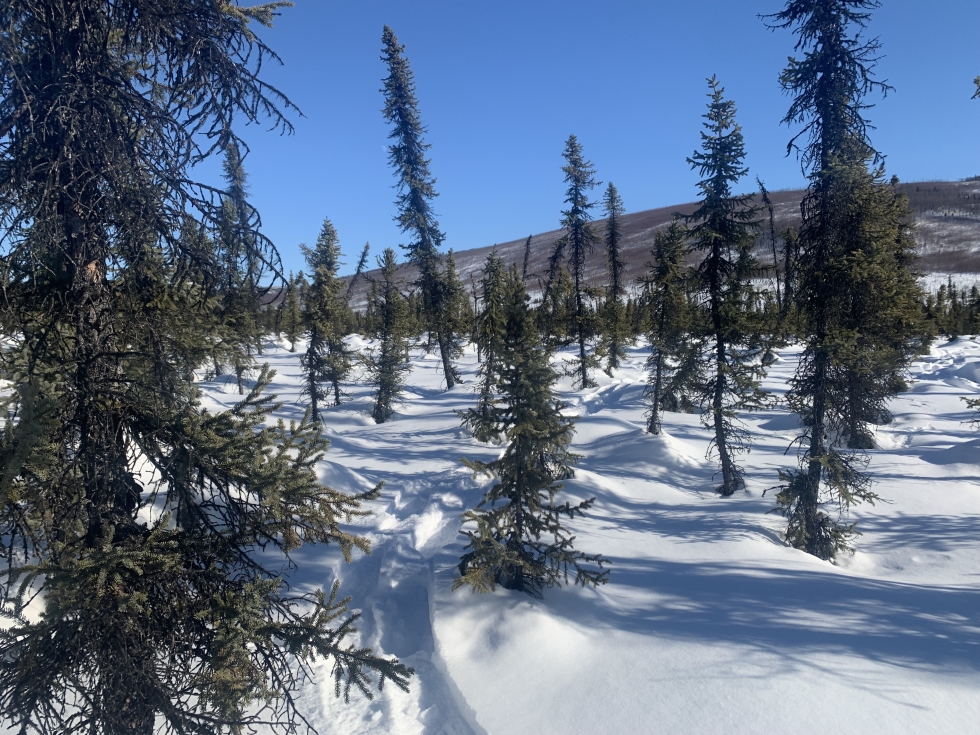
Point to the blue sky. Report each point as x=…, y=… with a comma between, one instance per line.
x=502, y=84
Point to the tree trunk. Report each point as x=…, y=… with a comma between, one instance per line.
x=447, y=365
x=729, y=477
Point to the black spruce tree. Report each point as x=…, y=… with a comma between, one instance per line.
x=416, y=190
x=843, y=249
x=576, y=244
x=516, y=535
x=328, y=360
x=388, y=363
x=674, y=366
x=721, y=230
x=614, y=327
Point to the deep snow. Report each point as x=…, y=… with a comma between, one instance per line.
x=710, y=623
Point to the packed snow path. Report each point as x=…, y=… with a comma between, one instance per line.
x=710, y=623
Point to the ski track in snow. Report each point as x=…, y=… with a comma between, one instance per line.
x=710, y=623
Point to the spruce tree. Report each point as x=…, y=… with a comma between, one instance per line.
x=773, y=242
x=292, y=315
x=416, y=190
x=456, y=315
x=489, y=332
x=239, y=238
x=722, y=231
x=578, y=242
x=516, y=535
x=614, y=327
x=328, y=359
x=556, y=312
x=674, y=366
x=156, y=535
x=527, y=258
x=836, y=245
x=388, y=363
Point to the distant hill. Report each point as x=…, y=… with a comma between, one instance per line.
x=947, y=232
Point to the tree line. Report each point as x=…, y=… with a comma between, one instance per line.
x=156, y=532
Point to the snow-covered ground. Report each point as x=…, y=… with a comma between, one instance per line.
x=710, y=623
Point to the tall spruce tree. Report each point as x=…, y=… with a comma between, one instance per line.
x=328, y=359
x=674, y=366
x=836, y=246
x=722, y=231
x=614, y=328
x=517, y=538
x=416, y=190
x=134, y=515
x=577, y=243
x=388, y=363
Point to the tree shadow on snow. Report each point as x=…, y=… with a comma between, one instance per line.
x=792, y=613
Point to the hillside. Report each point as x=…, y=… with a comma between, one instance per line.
x=947, y=231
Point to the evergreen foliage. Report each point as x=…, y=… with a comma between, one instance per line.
x=416, y=190
x=489, y=334
x=517, y=538
x=578, y=241
x=614, y=327
x=527, y=258
x=852, y=256
x=237, y=231
x=133, y=513
x=674, y=366
x=292, y=316
x=455, y=317
x=327, y=317
x=388, y=362
x=556, y=312
x=722, y=231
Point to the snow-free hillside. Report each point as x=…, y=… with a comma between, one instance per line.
x=710, y=623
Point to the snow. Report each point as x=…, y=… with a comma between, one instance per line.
x=710, y=623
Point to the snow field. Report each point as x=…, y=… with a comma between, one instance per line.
x=710, y=623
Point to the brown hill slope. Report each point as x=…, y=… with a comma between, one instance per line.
x=947, y=232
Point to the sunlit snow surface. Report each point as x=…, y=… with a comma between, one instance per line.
x=710, y=623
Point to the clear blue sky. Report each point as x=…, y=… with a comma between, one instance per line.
x=501, y=84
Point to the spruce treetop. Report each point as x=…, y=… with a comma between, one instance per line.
x=720, y=161
x=406, y=155
x=835, y=74
x=580, y=177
